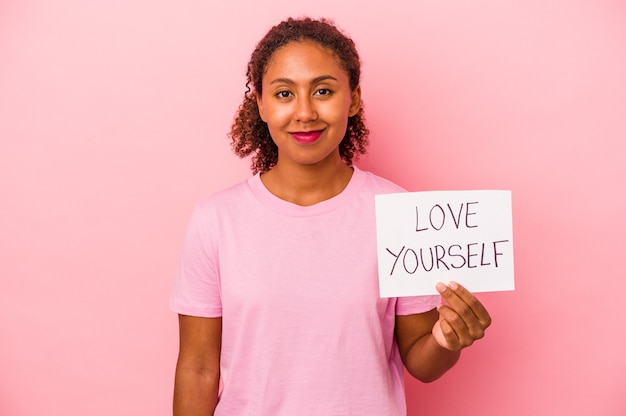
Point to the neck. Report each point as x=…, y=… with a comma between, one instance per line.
x=307, y=185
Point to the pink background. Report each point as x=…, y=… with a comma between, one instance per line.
x=113, y=121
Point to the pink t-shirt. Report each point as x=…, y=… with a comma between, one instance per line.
x=305, y=331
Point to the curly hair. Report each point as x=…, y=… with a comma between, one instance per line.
x=250, y=135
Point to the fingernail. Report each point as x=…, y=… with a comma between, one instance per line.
x=440, y=287
x=453, y=285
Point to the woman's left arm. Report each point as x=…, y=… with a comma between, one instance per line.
x=430, y=343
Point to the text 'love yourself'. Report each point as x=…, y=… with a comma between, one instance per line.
x=446, y=218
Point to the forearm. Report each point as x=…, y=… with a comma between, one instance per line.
x=195, y=392
x=426, y=360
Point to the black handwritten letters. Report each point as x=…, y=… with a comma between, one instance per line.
x=455, y=256
x=446, y=218
x=438, y=216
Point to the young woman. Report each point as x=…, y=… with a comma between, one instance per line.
x=277, y=290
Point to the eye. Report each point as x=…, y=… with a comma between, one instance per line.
x=323, y=91
x=283, y=94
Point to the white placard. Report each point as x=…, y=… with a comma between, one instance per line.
x=441, y=236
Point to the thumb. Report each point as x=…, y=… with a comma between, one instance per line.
x=439, y=336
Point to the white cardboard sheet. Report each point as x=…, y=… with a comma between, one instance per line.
x=442, y=236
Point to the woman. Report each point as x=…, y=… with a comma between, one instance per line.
x=277, y=290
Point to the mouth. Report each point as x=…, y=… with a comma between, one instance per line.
x=306, y=136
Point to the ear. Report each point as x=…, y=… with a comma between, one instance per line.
x=259, y=104
x=355, y=101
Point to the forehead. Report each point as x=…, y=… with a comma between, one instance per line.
x=301, y=58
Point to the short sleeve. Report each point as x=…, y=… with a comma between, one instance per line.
x=416, y=304
x=196, y=289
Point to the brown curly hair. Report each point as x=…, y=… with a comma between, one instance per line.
x=250, y=135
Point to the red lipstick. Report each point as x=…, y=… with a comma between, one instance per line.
x=306, y=136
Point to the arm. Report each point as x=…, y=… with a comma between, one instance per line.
x=430, y=343
x=198, y=368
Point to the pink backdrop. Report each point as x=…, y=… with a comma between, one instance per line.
x=113, y=117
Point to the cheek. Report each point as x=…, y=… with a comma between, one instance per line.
x=277, y=115
x=337, y=113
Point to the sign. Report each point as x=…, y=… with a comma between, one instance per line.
x=441, y=236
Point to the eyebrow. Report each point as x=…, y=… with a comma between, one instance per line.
x=313, y=81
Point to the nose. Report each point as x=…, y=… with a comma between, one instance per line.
x=305, y=109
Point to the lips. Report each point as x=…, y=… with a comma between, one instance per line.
x=306, y=136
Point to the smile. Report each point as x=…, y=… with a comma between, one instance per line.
x=306, y=136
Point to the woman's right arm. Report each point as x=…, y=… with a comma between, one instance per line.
x=198, y=368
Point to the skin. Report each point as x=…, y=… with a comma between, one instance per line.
x=430, y=343
x=197, y=374
x=306, y=89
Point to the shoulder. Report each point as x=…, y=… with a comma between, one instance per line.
x=377, y=184
x=225, y=198
x=230, y=202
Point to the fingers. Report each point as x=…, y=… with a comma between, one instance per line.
x=472, y=302
x=463, y=318
x=446, y=336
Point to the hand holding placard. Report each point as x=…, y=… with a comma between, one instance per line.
x=427, y=237
x=462, y=318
